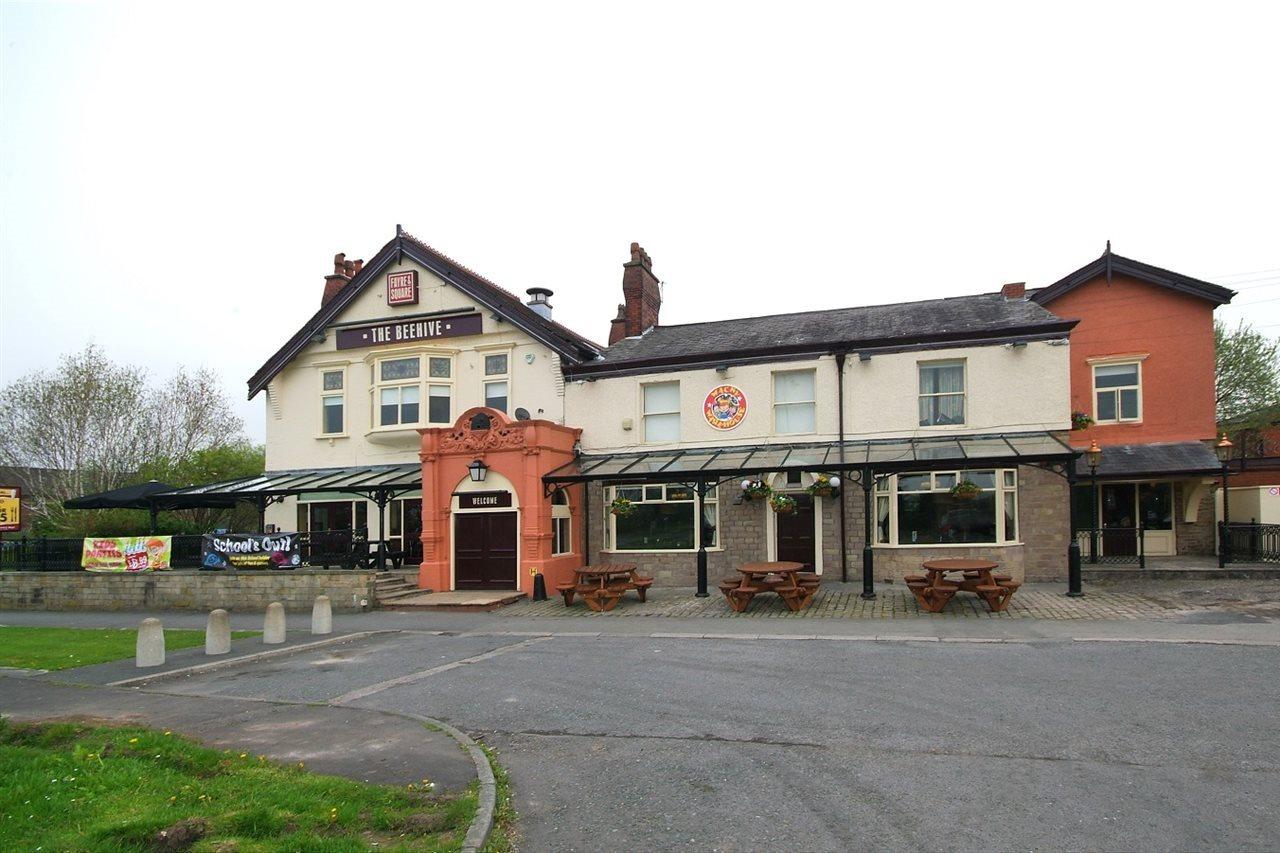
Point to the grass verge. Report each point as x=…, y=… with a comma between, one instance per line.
x=67, y=786
x=502, y=838
x=64, y=648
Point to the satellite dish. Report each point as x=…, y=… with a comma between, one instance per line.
x=522, y=414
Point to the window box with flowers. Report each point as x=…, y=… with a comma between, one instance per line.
x=1081, y=420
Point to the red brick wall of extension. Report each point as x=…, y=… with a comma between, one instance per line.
x=1174, y=332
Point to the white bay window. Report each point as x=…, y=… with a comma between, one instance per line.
x=927, y=509
x=663, y=517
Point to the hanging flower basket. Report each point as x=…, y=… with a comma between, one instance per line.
x=1081, y=420
x=783, y=504
x=755, y=489
x=965, y=490
x=824, y=486
x=622, y=507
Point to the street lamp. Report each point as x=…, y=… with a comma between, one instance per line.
x=1223, y=449
x=478, y=470
x=1094, y=457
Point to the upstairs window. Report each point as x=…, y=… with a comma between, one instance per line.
x=942, y=393
x=1117, y=390
x=794, y=402
x=332, y=402
x=661, y=412
x=398, y=392
x=497, y=381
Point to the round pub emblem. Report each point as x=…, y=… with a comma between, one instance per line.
x=725, y=407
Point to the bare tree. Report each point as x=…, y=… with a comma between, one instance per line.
x=91, y=425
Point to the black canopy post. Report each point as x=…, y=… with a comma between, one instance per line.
x=844, y=549
x=868, y=558
x=262, y=513
x=381, y=497
x=586, y=524
x=702, y=541
x=1073, y=543
x=151, y=509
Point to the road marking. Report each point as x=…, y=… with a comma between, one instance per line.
x=435, y=670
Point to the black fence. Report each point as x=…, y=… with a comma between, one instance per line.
x=329, y=549
x=1112, y=546
x=1252, y=543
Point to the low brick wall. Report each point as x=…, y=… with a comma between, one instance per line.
x=183, y=590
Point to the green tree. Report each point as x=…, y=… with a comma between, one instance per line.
x=230, y=461
x=1248, y=375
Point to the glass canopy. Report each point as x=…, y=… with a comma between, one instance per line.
x=882, y=456
x=369, y=478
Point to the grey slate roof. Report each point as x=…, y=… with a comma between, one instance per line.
x=955, y=318
x=1165, y=458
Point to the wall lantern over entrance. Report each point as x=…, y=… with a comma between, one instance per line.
x=478, y=470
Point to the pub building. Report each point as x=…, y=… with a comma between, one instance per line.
x=485, y=443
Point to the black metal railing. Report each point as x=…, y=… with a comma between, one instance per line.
x=1112, y=546
x=329, y=549
x=1252, y=543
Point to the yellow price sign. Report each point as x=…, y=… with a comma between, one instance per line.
x=10, y=509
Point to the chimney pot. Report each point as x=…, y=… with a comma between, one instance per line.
x=1014, y=290
x=538, y=301
x=342, y=272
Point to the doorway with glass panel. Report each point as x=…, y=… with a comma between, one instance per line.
x=1123, y=507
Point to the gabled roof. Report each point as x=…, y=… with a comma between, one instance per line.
x=958, y=319
x=571, y=346
x=1112, y=264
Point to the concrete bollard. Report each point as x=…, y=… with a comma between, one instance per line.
x=321, y=616
x=273, y=625
x=217, y=633
x=150, y=651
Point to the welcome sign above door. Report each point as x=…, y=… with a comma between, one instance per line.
x=407, y=331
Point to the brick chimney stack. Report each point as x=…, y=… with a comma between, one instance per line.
x=343, y=271
x=642, y=294
x=1014, y=290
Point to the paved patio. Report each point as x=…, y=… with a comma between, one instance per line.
x=844, y=601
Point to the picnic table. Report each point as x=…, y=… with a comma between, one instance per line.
x=787, y=580
x=934, y=589
x=602, y=586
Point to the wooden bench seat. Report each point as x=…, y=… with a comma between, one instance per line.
x=567, y=590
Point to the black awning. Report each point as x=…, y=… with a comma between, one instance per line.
x=361, y=480
x=149, y=495
x=1161, y=459
x=881, y=456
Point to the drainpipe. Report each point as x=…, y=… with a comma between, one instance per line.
x=844, y=550
x=586, y=524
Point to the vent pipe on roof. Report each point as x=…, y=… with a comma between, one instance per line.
x=539, y=301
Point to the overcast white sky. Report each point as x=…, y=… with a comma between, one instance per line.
x=176, y=179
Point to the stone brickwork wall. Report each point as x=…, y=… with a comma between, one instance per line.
x=744, y=531
x=179, y=590
x=1198, y=537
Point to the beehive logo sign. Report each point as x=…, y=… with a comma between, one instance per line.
x=10, y=509
x=725, y=407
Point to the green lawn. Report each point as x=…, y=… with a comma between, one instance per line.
x=66, y=786
x=64, y=648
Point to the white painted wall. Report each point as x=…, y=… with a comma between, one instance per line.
x=1008, y=390
x=294, y=438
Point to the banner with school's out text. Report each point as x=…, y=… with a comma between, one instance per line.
x=127, y=553
x=250, y=551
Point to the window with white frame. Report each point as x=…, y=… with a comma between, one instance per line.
x=794, y=402
x=1117, y=391
x=927, y=509
x=661, y=411
x=332, y=402
x=941, y=393
x=398, y=391
x=561, y=524
x=439, y=390
x=663, y=517
x=497, y=380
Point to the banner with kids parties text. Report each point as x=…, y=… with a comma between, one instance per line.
x=126, y=553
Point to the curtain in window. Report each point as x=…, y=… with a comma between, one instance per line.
x=793, y=402
x=662, y=412
x=941, y=394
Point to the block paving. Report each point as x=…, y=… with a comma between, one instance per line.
x=844, y=601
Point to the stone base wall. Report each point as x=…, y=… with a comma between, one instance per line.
x=184, y=590
x=1041, y=555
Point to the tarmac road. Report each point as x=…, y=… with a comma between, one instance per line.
x=644, y=743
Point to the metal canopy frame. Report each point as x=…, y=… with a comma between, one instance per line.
x=378, y=483
x=705, y=468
